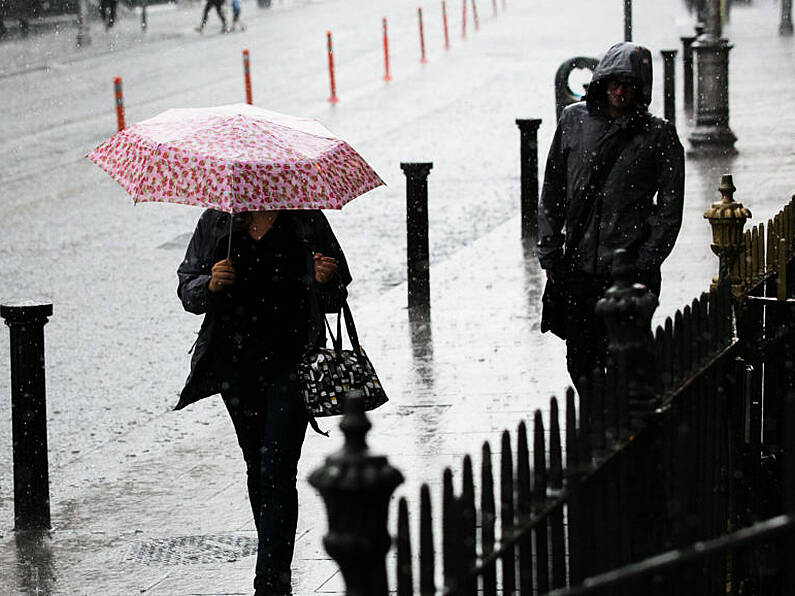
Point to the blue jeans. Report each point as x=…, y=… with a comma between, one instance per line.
x=270, y=423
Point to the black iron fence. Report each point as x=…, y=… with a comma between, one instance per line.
x=668, y=477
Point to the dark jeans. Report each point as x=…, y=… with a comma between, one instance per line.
x=586, y=343
x=217, y=4
x=270, y=423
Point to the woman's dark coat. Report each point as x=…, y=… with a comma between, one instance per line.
x=211, y=232
x=651, y=163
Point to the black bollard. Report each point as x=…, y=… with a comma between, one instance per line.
x=529, y=173
x=418, y=255
x=669, y=85
x=356, y=487
x=29, y=414
x=785, y=27
x=687, y=71
x=144, y=23
x=627, y=20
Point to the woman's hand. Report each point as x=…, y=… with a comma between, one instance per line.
x=325, y=268
x=223, y=274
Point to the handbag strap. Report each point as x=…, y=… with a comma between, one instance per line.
x=350, y=328
x=336, y=341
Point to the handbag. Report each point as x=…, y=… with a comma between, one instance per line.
x=326, y=376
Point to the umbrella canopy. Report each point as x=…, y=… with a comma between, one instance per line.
x=235, y=158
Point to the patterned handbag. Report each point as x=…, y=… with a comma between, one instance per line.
x=327, y=375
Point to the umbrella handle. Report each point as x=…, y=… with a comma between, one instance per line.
x=229, y=246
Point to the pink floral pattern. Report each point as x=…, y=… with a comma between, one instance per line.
x=235, y=158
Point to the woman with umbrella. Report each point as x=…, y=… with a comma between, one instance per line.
x=264, y=308
x=263, y=267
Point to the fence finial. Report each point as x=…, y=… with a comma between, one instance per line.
x=627, y=308
x=356, y=487
x=727, y=218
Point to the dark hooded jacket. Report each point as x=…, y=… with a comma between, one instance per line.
x=194, y=273
x=622, y=213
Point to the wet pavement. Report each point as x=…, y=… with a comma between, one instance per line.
x=154, y=503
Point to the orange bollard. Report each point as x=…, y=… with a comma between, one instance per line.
x=475, y=15
x=464, y=19
x=247, y=76
x=386, y=52
x=333, y=97
x=119, y=103
x=422, y=38
x=444, y=20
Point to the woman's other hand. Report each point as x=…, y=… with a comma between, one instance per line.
x=223, y=274
x=325, y=268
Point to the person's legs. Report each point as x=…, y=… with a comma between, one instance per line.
x=209, y=4
x=219, y=4
x=586, y=343
x=284, y=430
x=246, y=409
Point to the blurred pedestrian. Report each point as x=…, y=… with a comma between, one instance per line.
x=608, y=160
x=236, y=22
x=219, y=8
x=108, y=10
x=264, y=308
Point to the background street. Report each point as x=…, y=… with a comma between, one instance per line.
x=125, y=469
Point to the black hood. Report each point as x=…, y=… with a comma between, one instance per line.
x=622, y=59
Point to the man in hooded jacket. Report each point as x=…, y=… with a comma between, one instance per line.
x=608, y=160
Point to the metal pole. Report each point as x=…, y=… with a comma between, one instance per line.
x=712, y=133
x=144, y=24
x=669, y=85
x=330, y=50
x=785, y=28
x=83, y=30
x=687, y=71
x=119, y=99
x=29, y=414
x=247, y=76
x=627, y=20
x=528, y=156
x=418, y=255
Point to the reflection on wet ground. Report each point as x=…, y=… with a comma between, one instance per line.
x=35, y=564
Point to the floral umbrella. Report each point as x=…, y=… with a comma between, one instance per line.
x=235, y=158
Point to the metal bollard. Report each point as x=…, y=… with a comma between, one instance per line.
x=247, y=76
x=627, y=20
x=330, y=50
x=144, y=23
x=387, y=78
x=711, y=133
x=417, y=253
x=423, y=60
x=669, y=85
x=687, y=71
x=444, y=23
x=119, y=97
x=529, y=175
x=29, y=414
x=83, y=29
x=785, y=27
x=563, y=92
x=356, y=487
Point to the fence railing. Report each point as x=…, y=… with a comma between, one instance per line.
x=669, y=453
